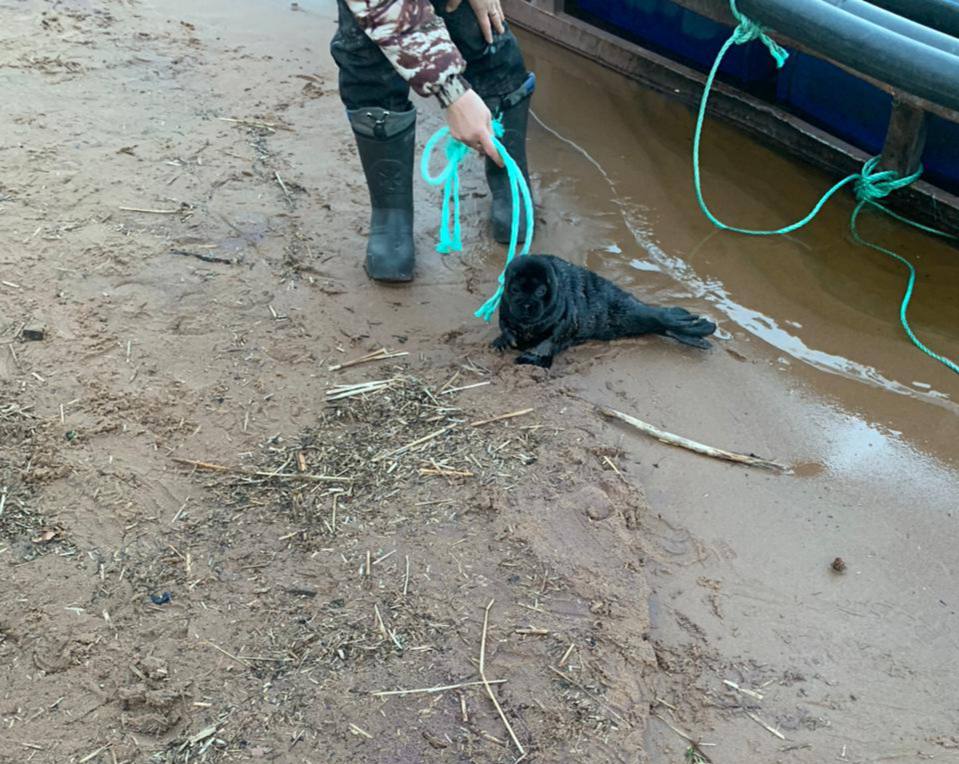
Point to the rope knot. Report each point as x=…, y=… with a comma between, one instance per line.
x=748, y=30
x=871, y=186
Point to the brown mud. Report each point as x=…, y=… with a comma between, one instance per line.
x=645, y=576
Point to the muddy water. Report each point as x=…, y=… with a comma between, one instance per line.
x=817, y=306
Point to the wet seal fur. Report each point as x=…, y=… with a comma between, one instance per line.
x=549, y=305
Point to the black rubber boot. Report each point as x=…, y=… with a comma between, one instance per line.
x=386, y=142
x=514, y=118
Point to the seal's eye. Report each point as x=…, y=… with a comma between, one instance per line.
x=540, y=291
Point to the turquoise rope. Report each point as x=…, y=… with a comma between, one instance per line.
x=449, y=179
x=869, y=186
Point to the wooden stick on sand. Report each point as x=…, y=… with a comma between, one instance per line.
x=501, y=417
x=489, y=689
x=152, y=211
x=377, y=355
x=433, y=690
x=352, y=391
x=691, y=445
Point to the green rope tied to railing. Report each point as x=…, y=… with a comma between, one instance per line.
x=450, y=231
x=747, y=31
x=869, y=185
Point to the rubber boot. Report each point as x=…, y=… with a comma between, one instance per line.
x=386, y=142
x=514, y=119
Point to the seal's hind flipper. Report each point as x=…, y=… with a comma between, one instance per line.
x=682, y=321
x=686, y=327
x=689, y=339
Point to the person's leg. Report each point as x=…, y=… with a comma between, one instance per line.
x=499, y=75
x=384, y=124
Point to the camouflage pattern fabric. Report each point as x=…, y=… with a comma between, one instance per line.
x=413, y=38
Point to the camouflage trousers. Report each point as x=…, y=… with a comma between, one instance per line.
x=368, y=79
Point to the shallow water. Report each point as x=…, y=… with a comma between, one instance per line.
x=814, y=303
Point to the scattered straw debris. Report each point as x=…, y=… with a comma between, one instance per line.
x=28, y=458
x=359, y=731
x=373, y=440
x=203, y=747
x=501, y=417
x=256, y=124
x=339, y=392
x=609, y=711
x=276, y=474
x=743, y=690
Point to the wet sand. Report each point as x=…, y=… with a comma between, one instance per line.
x=154, y=355
x=817, y=372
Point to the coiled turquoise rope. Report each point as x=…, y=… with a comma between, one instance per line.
x=449, y=178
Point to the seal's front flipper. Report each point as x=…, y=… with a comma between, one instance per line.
x=504, y=341
x=542, y=355
x=531, y=359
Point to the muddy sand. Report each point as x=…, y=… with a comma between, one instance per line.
x=215, y=547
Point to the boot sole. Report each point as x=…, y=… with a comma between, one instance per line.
x=401, y=280
x=386, y=278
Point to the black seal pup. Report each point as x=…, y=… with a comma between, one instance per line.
x=549, y=305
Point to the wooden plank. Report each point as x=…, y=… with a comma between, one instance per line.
x=765, y=122
x=550, y=6
x=905, y=139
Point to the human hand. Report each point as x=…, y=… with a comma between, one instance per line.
x=471, y=123
x=489, y=14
